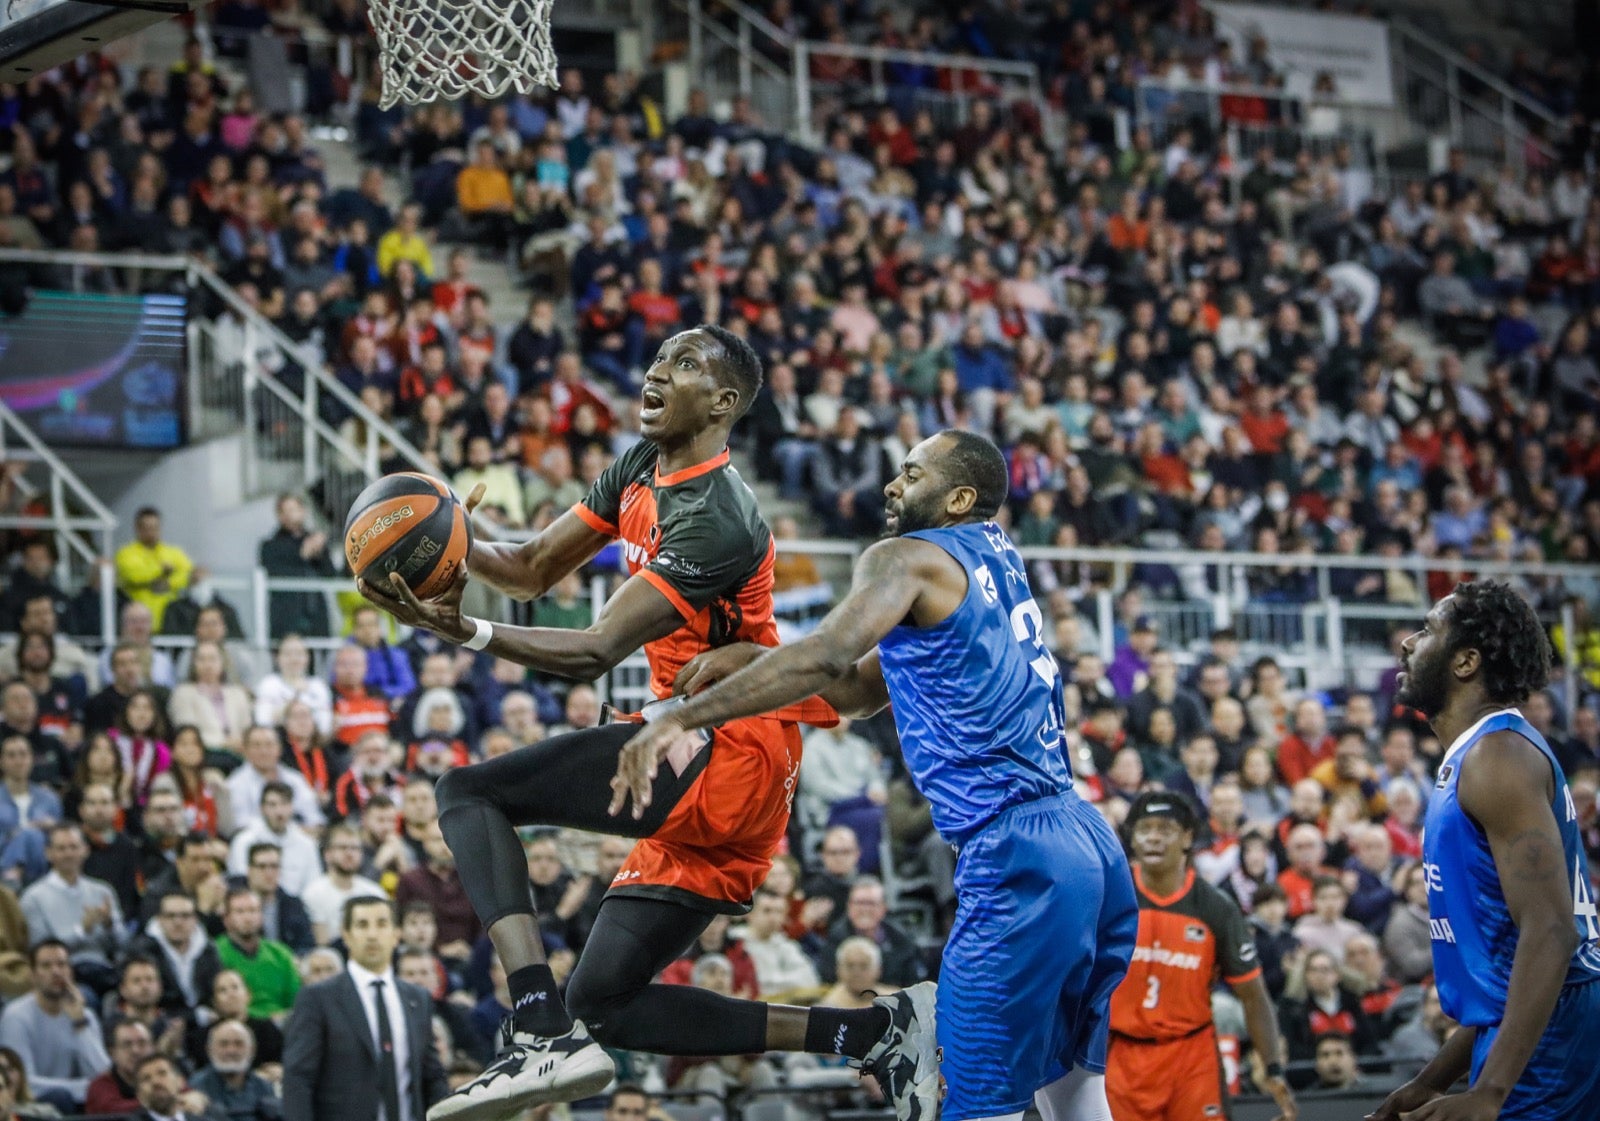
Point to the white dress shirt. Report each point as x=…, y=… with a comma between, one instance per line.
x=397, y=1028
x=300, y=862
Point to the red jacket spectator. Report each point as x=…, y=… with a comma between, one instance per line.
x=355, y=711
x=1297, y=759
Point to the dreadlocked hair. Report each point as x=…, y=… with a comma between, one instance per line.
x=1491, y=618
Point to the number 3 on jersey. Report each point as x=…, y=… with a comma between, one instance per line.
x=1152, y=996
x=1027, y=623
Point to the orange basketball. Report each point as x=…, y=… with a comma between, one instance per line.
x=411, y=524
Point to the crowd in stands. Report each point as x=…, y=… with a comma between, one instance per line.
x=1169, y=352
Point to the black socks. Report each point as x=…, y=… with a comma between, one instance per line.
x=536, y=1005
x=851, y=1032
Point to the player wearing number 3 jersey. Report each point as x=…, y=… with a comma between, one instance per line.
x=1516, y=945
x=1163, y=1063
x=940, y=620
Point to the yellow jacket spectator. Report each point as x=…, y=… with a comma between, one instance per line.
x=405, y=243
x=1586, y=643
x=149, y=570
x=483, y=187
x=502, y=488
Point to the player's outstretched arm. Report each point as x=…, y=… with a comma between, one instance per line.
x=637, y=614
x=1443, y=1071
x=859, y=693
x=1506, y=786
x=889, y=579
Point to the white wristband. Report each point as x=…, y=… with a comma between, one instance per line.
x=485, y=631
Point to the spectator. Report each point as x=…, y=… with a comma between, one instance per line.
x=266, y=967
x=138, y=998
x=198, y=872
x=114, y=857
x=1315, y=1004
x=847, y=473
x=1349, y=774
x=405, y=242
x=389, y=672
x=298, y=863
x=23, y=802
x=114, y=1091
x=325, y=896
x=80, y=913
x=839, y=772
x=1307, y=850
x=149, y=570
x=139, y=738
x=1325, y=927
x=19, y=718
x=283, y=916
x=104, y=710
x=1336, y=1064
x=162, y=1095
x=502, y=493
x=295, y=551
x=1407, y=938
x=1419, y=1039
x=1367, y=875
x=220, y=711
x=58, y=1039
x=136, y=625
x=228, y=1081
x=483, y=195
x=355, y=710
x=437, y=883
x=781, y=966
x=263, y=764
x=1300, y=754
x=177, y=943
x=841, y=865
x=370, y=774
x=292, y=682
x=867, y=916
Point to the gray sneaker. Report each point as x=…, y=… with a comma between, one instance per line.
x=530, y=1070
x=906, y=1060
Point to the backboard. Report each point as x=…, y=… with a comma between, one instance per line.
x=36, y=35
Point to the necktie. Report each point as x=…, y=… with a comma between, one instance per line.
x=388, y=1078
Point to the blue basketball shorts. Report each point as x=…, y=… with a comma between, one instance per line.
x=1045, y=923
x=1562, y=1080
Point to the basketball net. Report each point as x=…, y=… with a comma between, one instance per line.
x=443, y=50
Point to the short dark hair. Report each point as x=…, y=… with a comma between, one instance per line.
x=157, y=1057
x=1334, y=1037
x=1491, y=618
x=237, y=891
x=190, y=841
x=146, y=512
x=257, y=849
x=972, y=461
x=348, y=911
x=174, y=893
x=1320, y=882
x=419, y=907
x=133, y=960
x=1269, y=893
x=740, y=367
x=44, y=944
x=627, y=1089
x=281, y=789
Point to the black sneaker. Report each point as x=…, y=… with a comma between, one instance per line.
x=906, y=1060
x=530, y=1070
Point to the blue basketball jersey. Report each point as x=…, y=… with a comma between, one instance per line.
x=978, y=698
x=1474, y=937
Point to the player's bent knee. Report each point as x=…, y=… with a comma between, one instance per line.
x=455, y=789
x=599, y=1007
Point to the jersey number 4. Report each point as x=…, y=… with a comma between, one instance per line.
x=1027, y=623
x=1583, y=902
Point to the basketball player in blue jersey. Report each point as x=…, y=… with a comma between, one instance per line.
x=940, y=621
x=1516, y=944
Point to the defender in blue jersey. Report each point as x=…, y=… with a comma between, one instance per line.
x=1516, y=941
x=940, y=621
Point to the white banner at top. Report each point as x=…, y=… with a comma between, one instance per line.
x=1304, y=44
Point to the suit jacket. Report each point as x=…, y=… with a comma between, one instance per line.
x=330, y=1064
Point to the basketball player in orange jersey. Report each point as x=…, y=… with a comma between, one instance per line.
x=1162, y=1064
x=701, y=562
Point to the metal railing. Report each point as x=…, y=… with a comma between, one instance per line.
x=83, y=528
x=1328, y=642
x=1446, y=94
x=246, y=376
x=748, y=55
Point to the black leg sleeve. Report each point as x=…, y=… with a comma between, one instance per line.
x=566, y=782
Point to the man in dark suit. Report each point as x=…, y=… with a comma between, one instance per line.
x=359, y=1046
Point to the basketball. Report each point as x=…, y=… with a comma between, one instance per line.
x=411, y=524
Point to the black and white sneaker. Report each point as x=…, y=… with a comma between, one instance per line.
x=906, y=1060
x=530, y=1070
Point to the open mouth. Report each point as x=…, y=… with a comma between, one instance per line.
x=651, y=404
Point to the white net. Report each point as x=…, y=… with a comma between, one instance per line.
x=441, y=50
